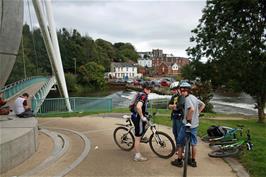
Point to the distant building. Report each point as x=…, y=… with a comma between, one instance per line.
x=124, y=70
x=157, y=52
x=163, y=64
x=145, y=62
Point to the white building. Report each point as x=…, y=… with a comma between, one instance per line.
x=175, y=67
x=123, y=70
x=145, y=62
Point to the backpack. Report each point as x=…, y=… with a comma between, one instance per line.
x=133, y=103
x=138, y=97
x=216, y=131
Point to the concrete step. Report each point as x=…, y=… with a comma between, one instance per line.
x=79, y=148
x=45, y=148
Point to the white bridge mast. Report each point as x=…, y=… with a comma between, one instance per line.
x=51, y=43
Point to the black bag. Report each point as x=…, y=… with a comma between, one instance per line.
x=216, y=131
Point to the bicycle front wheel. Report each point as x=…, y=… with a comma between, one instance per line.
x=124, y=138
x=162, y=145
x=224, y=153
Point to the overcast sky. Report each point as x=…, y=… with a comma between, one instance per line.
x=149, y=24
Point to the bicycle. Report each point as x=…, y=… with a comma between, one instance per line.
x=226, y=150
x=187, y=147
x=229, y=137
x=160, y=143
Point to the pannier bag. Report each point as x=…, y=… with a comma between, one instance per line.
x=216, y=131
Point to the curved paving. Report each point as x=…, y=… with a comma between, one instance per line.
x=106, y=159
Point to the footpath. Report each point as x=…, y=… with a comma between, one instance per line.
x=106, y=159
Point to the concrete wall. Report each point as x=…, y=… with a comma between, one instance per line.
x=11, y=21
x=18, y=142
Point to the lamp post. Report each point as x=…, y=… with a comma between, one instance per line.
x=75, y=65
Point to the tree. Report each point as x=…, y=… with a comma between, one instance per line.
x=93, y=74
x=232, y=35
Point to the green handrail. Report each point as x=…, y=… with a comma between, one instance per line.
x=12, y=89
x=78, y=104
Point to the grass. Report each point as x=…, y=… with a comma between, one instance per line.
x=254, y=161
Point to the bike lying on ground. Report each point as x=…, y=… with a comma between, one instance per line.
x=226, y=150
x=160, y=143
x=226, y=135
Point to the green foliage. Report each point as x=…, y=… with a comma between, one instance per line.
x=71, y=82
x=203, y=90
x=231, y=34
x=92, y=74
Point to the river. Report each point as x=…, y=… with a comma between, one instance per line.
x=241, y=104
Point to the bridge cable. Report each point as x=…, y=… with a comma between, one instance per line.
x=23, y=57
x=33, y=40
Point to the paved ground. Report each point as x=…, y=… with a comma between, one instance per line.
x=109, y=160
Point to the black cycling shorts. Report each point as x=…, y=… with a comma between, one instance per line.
x=139, y=125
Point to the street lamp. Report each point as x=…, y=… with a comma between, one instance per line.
x=75, y=65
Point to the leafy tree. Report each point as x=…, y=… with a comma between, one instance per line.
x=232, y=35
x=93, y=74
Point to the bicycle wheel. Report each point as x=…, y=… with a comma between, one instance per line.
x=186, y=157
x=222, y=143
x=124, y=138
x=224, y=153
x=162, y=145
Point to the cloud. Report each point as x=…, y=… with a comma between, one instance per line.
x=146, y=24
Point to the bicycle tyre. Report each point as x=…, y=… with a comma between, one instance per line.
x=162, y=136
x=222, y=143
x=224, y=153
x=119, y=140
x=186, y=157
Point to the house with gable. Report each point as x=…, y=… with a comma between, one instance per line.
x=123, y=70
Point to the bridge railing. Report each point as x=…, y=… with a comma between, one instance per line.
x=40, y=96
x=12, y=89
x=78, y=104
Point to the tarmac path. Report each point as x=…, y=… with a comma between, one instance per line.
x=106, y=159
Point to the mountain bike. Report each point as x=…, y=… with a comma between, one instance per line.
x=226, y=150
x=230, y=136
x=187, y=153
x=160, y=143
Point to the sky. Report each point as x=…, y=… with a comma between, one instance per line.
x=147, y=24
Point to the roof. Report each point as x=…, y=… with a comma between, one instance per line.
x=121, y=64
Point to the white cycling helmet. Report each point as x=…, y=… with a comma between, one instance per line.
x=174, y=85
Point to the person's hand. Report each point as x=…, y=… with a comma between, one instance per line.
x=144, y=119
x=188, y=124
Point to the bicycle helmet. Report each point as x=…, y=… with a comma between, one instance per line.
x=174, y=85
x=147, y=85
x=185, y=85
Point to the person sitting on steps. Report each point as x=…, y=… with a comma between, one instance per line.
x=21, y=108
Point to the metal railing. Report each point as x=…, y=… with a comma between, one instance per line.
x=40, y=96
x=12, y=89
x=78, y=104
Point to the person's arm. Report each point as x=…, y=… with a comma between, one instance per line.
x=25, y=105
x=202, y=106
x=190, y=114
x=139, y=109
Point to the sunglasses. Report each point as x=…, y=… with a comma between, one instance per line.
x=183, y=90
